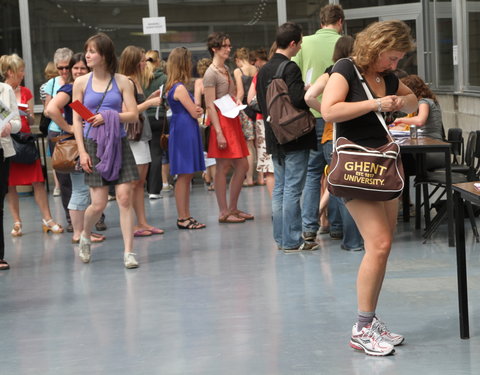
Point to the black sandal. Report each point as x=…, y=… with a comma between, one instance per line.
x=4, y=265
x=189, y=223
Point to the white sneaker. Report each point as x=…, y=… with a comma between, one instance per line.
x=85, y=249
x=390, y=337
x=167, y=187
x=129, y=260
x=155, y=196
x=56, y=192
x=370, y=341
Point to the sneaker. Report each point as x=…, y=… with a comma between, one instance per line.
x=129, y=260
x=111, y=197
x=56, y=192
x=336, y=235
x=324, y=230
x=167, y=187
x=69, y=228
x=370, y=341
x=351, y=248
x=155, y=196
x=101, y=226
x=306, y=246
x=390, y=337
x=309, y=236
x=85, y=249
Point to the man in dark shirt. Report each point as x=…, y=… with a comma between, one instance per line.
x=290, y=160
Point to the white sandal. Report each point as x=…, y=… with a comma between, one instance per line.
x=17, y=229
x=51, y=226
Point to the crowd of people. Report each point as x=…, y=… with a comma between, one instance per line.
x=138, y=90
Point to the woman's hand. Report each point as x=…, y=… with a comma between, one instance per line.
x=155, y=94
x=221, y=141
x=96, y=120
x=199, y=111
x=7, y=129
x=155, y=101
x=390, y=103
x=86, y=162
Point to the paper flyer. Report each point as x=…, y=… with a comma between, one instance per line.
x=5, y=115
x=157, y=113
x=228, y=107
x=308, y=76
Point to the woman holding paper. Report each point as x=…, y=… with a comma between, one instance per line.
x=185, y=142
x=12, y=68
x=227, y=143
x=105, y=154
x=8, y=108
x=132, y=63
x=60, y=112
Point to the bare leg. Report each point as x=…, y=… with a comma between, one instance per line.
x=251, y=162
x=13, y=203
x=139, y=197
x=223, y=166
x=270, y=182
x=376, y=223
x=182, y=195
x=93, y=212
x=240, y=167
x=77, y=217
x=41, y=198
x=124, y=200
x=166, y=173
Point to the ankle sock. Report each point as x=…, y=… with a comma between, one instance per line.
x=364, y=318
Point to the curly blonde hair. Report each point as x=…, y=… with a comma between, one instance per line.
x=380, y=37
x=202, y=66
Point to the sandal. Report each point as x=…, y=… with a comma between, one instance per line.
x=51, y=226
x=17, y=229
x=189, y=223
x=94, y=238
x=4, y=265
x=155, y=230
x=211, y=187
x=230, y=218
x=243, y=215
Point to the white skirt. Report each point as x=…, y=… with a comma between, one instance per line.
x=141, y=152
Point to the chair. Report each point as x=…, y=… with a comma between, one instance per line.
x=469, y=171
x=455, y=138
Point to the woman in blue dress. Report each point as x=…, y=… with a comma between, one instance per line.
x=185, y=143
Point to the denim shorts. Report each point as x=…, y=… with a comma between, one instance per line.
x=165, y=158
x=80, y=198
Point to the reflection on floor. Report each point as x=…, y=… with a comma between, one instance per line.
x=223, y=300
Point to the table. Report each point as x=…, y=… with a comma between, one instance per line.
x=463, y=191
x=420, y=146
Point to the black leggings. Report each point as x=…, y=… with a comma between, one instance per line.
x=4, y=168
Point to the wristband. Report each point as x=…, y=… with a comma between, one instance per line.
x=379, y=105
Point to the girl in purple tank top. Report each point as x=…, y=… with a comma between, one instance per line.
x=104, y=143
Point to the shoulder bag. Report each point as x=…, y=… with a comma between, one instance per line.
x=44, y=120
x=134, y=130
x=358, y=172
x=164, y=135
x=25, y=145
x=65, y=158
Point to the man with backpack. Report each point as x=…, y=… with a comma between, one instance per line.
x=316, y=56
x=290, y=159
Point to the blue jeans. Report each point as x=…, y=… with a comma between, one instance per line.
x=290, y=171
x=338, y=215
x=311, y=191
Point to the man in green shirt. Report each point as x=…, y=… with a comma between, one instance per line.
x=314, y=57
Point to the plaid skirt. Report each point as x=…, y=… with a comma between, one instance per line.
x=128, y=171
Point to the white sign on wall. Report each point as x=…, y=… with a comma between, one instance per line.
x=154, y=25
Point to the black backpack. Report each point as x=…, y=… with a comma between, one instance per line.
x=287, y=122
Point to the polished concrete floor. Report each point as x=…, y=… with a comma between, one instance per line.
x=223, y=300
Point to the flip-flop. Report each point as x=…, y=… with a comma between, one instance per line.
x=142, y=233
x=156, y=230
x=227, y=219
x=94, y=238
x=243, y=215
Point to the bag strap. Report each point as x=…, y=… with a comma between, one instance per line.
x=53, y=86
x=369, y=96
x=281, y=69
x=101, y=102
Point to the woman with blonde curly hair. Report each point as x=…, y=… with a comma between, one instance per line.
x=376, y=53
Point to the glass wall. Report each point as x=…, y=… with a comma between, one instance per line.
x=473, y=42
x=444, y=43
x=348, y=4
x=10, y=36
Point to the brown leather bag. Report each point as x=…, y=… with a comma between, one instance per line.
x=65, y=154
x=134, y=129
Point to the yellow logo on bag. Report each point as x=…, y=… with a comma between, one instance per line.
x=365, y=172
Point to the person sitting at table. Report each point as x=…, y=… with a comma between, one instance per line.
x=428, y=117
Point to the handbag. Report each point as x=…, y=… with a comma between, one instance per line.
x=26, y=151
x=134, y=130
x=164, y=136
x=365, y=172
x=65, y=154
x=44, y=120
